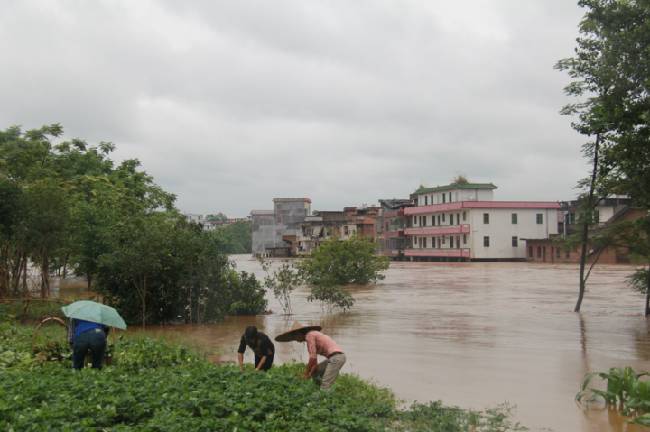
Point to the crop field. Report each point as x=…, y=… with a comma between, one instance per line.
x=155, y=386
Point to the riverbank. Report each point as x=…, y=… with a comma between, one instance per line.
x=153, y=385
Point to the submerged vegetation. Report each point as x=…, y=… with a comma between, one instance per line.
x=626, y=390
x=154, y=386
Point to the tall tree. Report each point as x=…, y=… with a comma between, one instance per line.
x=611, y=78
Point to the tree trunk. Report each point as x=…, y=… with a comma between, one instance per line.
x=647, y=292
x=89, y=279
x=65, y=266
x=585, y=226
x=24, y=275
x=45, y=276
x=144, y=302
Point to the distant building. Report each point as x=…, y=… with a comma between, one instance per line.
x=608, y=211
x=276, y=232
x=462, y=222
x=391, y=222
x=193, y=217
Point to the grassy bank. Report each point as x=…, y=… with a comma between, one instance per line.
x=155, y=386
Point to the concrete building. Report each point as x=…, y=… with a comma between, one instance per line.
x=462, y=222
x=608, y=211
x=390, y=226
x=275, y=232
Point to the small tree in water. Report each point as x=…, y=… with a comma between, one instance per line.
x=341, y=262
x=282, y=283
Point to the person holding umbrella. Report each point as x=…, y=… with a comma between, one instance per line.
x=88, y=330
x=326, y=371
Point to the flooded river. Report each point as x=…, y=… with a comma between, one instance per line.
x=472, y=334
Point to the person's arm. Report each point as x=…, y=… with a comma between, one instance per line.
x=240, y=353
x=261, y=363
x=310, y=340
x=310, y=368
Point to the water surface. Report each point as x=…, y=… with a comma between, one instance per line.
x=471, y=334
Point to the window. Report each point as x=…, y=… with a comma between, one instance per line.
x=443, y=239
x=451, y=219
x=514, y=218
x=415, y=241
x=530, y=251
x=424, y=242
x=438, y=242
x=464, y=238
x=438, y=219
x=539, y=251
x=486, y=241
x=464, y=216
x=514, y=241
x=433, y=220
x=458, y=218
x=423, y=221
x=451, y=242
x=449, y=196
x=443, y=217
x=557, y=252
x=443, y=198
x=415, y=219
x=426, y=200
x=486, y=218
x=540, y=218
x=346, y=230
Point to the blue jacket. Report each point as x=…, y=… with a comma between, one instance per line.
x=80, y=326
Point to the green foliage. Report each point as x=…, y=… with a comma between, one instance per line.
x=434, y=416
x=625, y=390
x=66, y=207
x=152, y=386
x=245, y=294
x=341, y=262
x=235, y=238
x=282, y=282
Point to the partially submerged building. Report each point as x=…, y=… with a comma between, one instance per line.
x=390, y=226
x=608, y=211
x=463, y=222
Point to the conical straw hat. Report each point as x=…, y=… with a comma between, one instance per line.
x=296, y=329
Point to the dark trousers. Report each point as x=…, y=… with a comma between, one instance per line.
x=267, y=364
x=94, y=341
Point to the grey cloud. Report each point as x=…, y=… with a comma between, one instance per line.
x=229, y=104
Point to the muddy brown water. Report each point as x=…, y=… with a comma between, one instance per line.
x=471, y=334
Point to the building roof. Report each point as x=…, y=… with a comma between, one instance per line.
x=262, y=213
x=453, y=186
x=308, y=200
x=395, y=203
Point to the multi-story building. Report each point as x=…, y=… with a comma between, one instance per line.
x=390, y=226
x=322, y=225
x=275, y=232
x=461, y=221
x=607, y=212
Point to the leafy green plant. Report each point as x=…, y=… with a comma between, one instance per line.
x=282, y=282
x=625, y=390
x=156, y=386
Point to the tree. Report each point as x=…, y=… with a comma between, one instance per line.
x=341, y=262
x=282, y=282
x=610, y=77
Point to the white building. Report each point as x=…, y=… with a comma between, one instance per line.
x=463, y=222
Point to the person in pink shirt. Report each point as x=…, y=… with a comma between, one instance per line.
x=318, y=343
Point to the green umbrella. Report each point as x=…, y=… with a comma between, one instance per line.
x=95, y=312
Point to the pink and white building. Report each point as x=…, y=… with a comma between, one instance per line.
x=462, y=222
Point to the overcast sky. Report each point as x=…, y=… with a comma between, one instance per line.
x=229, y=104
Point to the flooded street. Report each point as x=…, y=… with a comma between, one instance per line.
x=473, y=335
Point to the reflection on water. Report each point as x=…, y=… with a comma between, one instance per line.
x=471, y=334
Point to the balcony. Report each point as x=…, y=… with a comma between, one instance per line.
x=439, y=253
x=438, y=230
x=409, y=211
x=394, y=234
